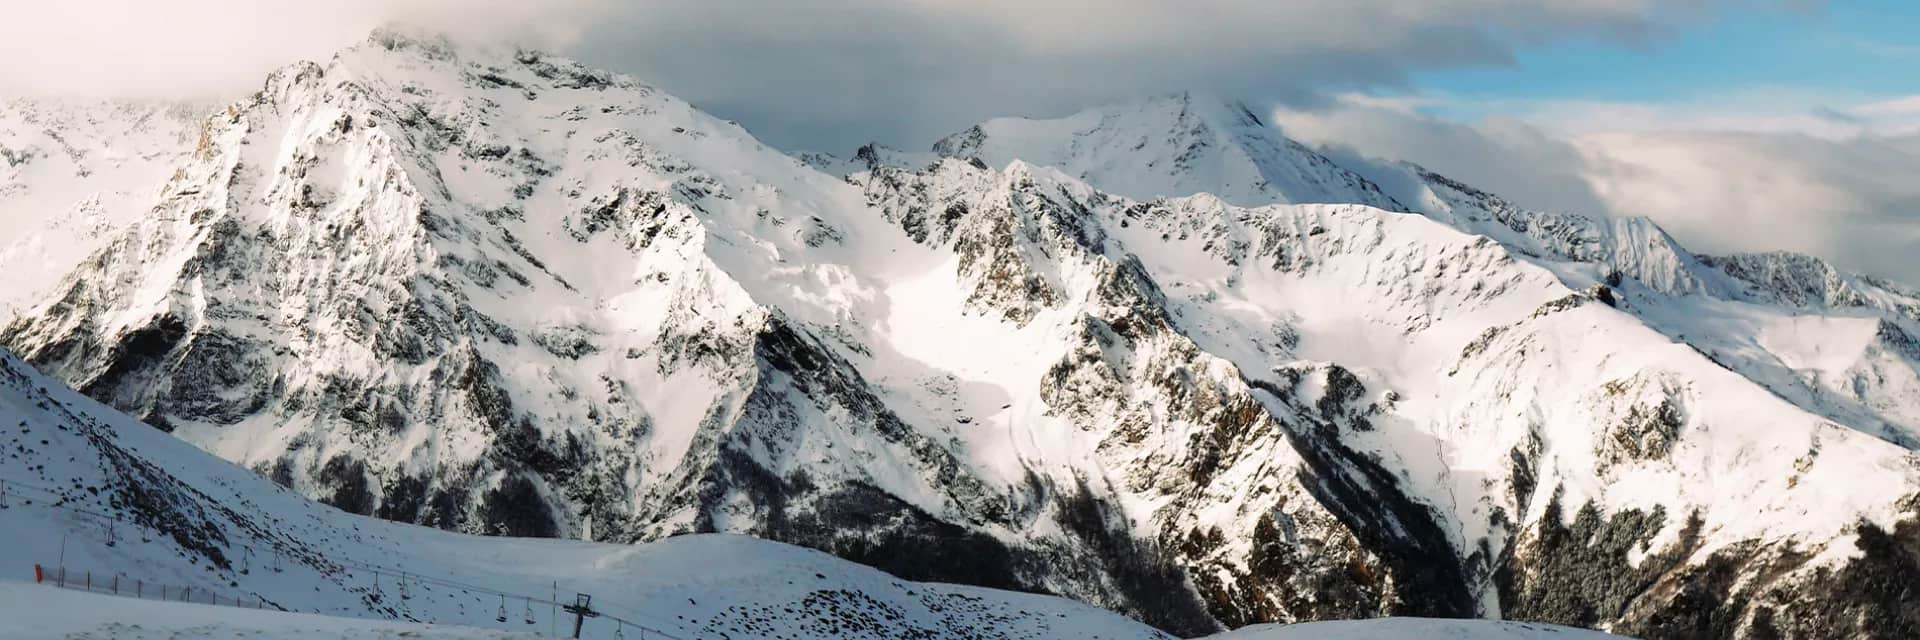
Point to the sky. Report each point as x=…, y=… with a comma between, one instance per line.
x=1738, y=124
x=1795, y=127
x=1848, y=51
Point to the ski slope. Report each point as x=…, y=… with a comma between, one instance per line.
x=44, y=613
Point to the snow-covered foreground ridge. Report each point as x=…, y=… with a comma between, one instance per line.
x=42, y=613
x=104, y=496
x=45, y=614
x=504, y=293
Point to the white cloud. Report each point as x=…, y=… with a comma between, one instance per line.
x=1836, y=183
x=197, y=48
x=1759, y=109
x=1851, y=200
x=1517, y=160
x=837, y=71
x=1896, y=115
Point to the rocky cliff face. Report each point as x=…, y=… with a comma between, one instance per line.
x=500, y=292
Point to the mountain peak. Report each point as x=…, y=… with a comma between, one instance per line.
x=1215, y=109
x=1171, y=145
x=399, y=37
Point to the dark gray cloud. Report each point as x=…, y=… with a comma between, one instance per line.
x=832, y=73
x=829, y=74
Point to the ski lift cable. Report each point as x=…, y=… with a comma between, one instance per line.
x=527, y=600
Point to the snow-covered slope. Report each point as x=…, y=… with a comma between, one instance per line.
x=72, y=172
x=43, y=613
x=499, y=292
x=102, y=495
x=1517, y=427
x=1411, y=628
x=38, y=613
x=1832, y=343
x=1431, y=386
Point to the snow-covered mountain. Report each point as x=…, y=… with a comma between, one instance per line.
x=1832, y=342
x=72, y=172
x=123, y=504
x=1835, y=345
x=504, y=293
x=1155, y=357
x=134, y=512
